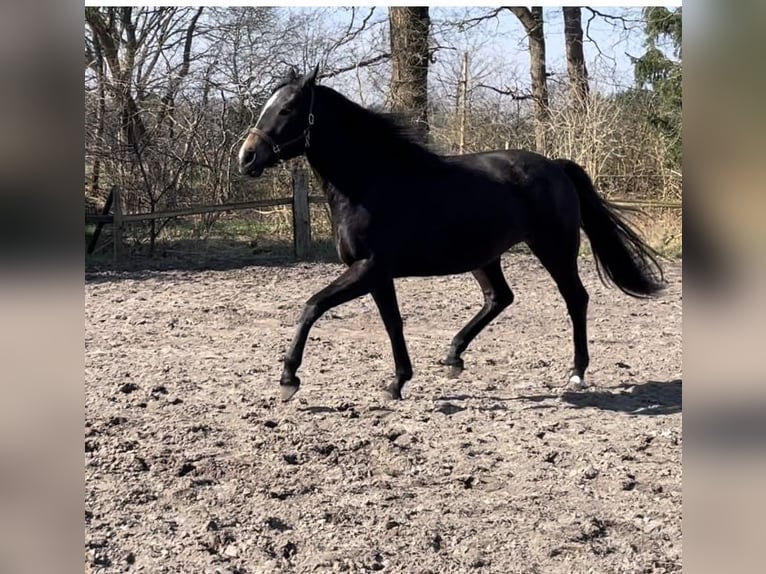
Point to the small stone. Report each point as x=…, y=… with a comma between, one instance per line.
x=629, y=483
x=468, y=481
x=394, y=433
x=324, y=449
x=290, y=458
x=551, y=457
x=277, y=524
x=590, y=473
x=435, y=541
x=448, y=408
x=477, y=559
x=404, y=441
x=289, y=550
x=128, y=388
x=231, y=551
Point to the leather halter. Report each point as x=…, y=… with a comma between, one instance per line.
x=306, y=134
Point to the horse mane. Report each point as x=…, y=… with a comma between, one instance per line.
x=390, y=131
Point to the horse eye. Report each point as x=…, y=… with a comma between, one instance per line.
x=285, y=111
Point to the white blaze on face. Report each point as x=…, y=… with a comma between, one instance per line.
x=242, y=153
x=270, y=102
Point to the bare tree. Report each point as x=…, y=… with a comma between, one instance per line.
x=578, y=73
x=532, y=20
x=133, y=43
x=409, y=27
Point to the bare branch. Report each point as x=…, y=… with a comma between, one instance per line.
x=515, y=95
x=368, y=62
x=590, y=38
x=612, y=18
x=465, y=25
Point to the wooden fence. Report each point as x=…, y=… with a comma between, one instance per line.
x=112, y=215
x=299, y=201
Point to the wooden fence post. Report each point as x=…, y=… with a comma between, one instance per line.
x=118, y=224
x=301, y=214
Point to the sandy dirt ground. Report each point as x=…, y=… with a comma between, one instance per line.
x=192, y=465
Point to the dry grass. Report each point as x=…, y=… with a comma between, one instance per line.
x=663, y=231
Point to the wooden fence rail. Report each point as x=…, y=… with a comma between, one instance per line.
x=299, y=201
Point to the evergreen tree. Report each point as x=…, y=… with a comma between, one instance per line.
x=660, y=72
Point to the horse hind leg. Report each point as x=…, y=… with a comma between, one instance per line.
x=560, y=259
x=497, y=296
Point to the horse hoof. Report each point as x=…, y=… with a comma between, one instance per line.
x=577, y=382
x=454, y=371
x=393, y=392
x=288, y=386
x=287, y=392
x=454, y=368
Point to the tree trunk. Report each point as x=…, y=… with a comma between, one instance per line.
x=578, y=73
x=95, y=187
x=409, y=26
x=532, y=20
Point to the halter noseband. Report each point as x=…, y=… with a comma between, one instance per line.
x=306, y=134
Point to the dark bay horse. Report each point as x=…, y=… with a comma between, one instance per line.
x=399, y=209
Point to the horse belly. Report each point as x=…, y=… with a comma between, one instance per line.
x=456, y=248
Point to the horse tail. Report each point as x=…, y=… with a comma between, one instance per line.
x=620, y=254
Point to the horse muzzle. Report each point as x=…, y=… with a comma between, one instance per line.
x=250, y=163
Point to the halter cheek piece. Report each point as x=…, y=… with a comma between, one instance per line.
x=305, y=135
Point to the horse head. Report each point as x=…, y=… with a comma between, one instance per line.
x=283, y=128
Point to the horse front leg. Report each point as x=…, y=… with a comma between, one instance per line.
x=385, y=299
x=359, y=279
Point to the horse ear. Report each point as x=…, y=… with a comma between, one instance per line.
x=292, y=74
x=311, y=77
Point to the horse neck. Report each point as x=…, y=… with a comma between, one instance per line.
x=350, y=156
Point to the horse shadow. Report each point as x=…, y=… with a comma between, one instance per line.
x=650, y=398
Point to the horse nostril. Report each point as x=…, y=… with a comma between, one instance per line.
x=248, y=157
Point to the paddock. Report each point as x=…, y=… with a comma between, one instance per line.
x=192, y=464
